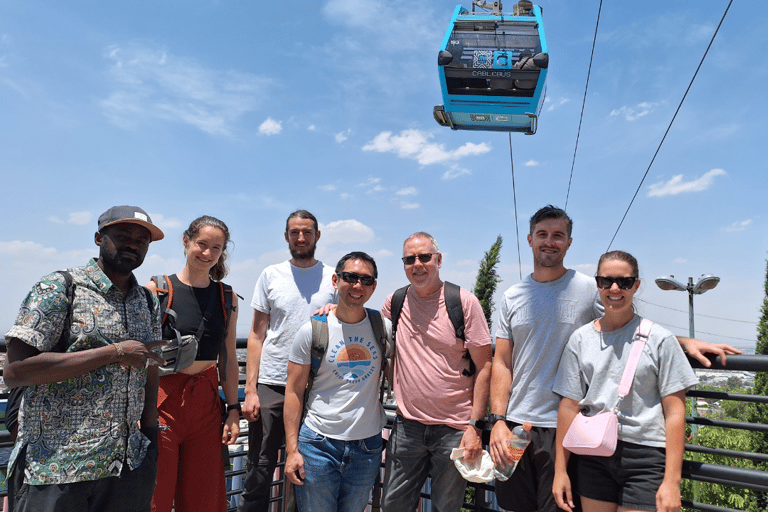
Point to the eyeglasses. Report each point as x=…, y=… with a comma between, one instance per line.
x=424, y=258
x=625, y=283
x=352, y=278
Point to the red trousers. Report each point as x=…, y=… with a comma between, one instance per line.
x=190, y=470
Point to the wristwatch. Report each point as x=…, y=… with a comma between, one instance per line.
x=235, y=407
x=478, y=424
x=493, y=418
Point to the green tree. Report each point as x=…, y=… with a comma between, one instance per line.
x=487, y=279
x=759, y=440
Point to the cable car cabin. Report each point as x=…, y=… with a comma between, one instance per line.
x=493, y=69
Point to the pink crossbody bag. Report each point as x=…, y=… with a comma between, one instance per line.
x=597, y=435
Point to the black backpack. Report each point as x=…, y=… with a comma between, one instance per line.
x=455, y=312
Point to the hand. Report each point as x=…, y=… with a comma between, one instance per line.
x=136, y=353
x=697, y=348
x=251, y=407
x=472, y=444
x=325, y=309
x=294, y=468
x=231, y=428
x=668, y=497
x=499, y=445
x=561, y=490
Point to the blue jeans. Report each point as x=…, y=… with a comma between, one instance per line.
x=414, y=452
x=338, y=475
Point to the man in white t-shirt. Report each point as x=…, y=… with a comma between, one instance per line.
x=439, y=406
x=536, y=319
x=285, y=297
x=334, y=455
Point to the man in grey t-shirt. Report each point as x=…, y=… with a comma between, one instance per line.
x=286, y=295
x=536, y=319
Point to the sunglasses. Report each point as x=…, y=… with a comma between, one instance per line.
x=352, y=278
x=424, y=258
x=625, y=283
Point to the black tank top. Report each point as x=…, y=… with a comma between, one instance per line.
x=189, y=304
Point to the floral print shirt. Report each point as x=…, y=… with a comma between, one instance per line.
x=84, y=428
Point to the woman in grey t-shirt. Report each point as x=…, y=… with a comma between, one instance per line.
x=645, y=470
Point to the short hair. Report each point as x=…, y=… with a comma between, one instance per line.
x=302, y=214
x=620, y=256
x=220, y=269
x=422, y=234
x=551, y=212
x=356, y=255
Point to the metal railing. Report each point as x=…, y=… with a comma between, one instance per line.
x=753, y=479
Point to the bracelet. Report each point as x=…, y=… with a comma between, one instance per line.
x=120, y=352
x=235, y=407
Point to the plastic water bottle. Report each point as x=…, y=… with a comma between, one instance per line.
x=521, y=438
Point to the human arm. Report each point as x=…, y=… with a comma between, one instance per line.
x=501, y=386
x=697, y=349
x=561, y=484
x=298, y=375
x=27, y=366
x=325, y=310
x=668, y=495
x=472, y=441
x=256, y=339
x=229, y=375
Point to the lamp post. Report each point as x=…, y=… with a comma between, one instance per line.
x=705, y=283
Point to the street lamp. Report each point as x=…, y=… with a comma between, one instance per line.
x=705, y=283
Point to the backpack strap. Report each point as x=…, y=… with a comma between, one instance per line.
x=319, y=347
x=165, y=294
x=456, y=313
x=380, y=333
x=69, y=285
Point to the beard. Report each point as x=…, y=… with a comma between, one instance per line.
x=305, y=254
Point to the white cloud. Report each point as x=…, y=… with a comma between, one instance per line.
x=80, y=218
x=345, y=232
x=415, y=145
x=410, y=206
x=681, y=261
x=408, y=191
x=531, y=163
x=553, y=104
x=55, y=219
x=327, y=188
x=270, y=127
x=370, y=182
x=633, y=113
x=311, y=128
x=151, y=83
x=159, y=220
x=454, y=172
x=342, y=136
x=677, y=186
x=738, y=226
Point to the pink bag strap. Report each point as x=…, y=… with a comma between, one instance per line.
x=641, y=336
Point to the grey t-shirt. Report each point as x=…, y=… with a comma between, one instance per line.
x=591, y=369
x=289, y=295
x=539, y=318
x=344, y=401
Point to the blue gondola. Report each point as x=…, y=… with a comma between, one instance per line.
x=493, y=69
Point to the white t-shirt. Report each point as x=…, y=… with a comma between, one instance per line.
x=289, y=295
x=539, y=318
x=593, y=363
x=344, y=401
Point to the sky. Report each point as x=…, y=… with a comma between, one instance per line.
x=248, y=111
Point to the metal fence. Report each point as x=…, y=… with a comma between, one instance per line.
x=484, y=498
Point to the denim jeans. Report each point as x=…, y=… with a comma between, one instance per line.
x=338, y=475
x=414, y=452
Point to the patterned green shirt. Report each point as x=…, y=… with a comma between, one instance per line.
x=84, y=428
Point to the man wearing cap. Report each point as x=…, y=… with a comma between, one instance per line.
x=82, y=345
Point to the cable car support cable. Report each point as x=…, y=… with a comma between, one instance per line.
x=670, y=124
x=583, y=102
x=514, y=200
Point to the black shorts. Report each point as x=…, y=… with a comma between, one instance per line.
x=530, y=486
x=630, y=477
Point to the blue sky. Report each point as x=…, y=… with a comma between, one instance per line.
x=250, y=110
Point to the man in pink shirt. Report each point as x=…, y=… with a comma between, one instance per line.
x=439, y=407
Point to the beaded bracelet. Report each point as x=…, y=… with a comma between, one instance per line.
x=120, y=352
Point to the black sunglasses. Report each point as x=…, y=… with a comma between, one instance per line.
x=352, y=278
x=625, y=283
x=424, y=258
